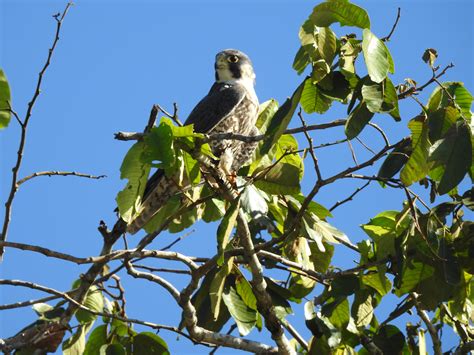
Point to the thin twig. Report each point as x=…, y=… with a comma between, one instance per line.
x=387, y=38
x=350, y=197
x=169, y=246
x=58, y=173
x=24, y=126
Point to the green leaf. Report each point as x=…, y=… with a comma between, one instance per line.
x=149, y=343
x=395, y=160
x=244, y=289
x=320, y=70
x=413, y=274
x=301, y=60
x=362, y=309
x=112, y=349
x=321, y=259
x=217, y=287
x=159, y=147
x=454, y=153
x=389, y=339
x=192, y=168
x=97, y=338
x=319, y=231
x=341, y=11
x=281, y=178
x=133, y=169
x=214, y=210
x=245, y=317
x=312, y=100
x=75, y=345
x=357, y=120
x=417, y=166
x=95, y=302
x=462, y=97
x=253, y=202
x=286, y=144
x=377, y=57
x=202, y=302
x=5, y=100
x=326, y=40
x=337, y=311
x=335, y=86
x=266, y=111
x=225, y=229
x=378, y=281
x=280, y=121
x=441, y=120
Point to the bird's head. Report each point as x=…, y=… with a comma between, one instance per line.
x=233, y=65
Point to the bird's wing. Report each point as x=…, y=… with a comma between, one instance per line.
x=212, y=109
x=215, y=106
x=219, y=103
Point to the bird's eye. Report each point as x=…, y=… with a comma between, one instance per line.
x=232, y=59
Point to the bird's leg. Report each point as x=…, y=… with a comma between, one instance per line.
x=225, y=164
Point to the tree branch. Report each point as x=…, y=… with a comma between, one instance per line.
x=24, y=126
x=58, y=173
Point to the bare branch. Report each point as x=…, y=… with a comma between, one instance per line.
x=259, y=285
x=431, y=328
x=58, y=173
x=24, y=127
x=387, y=38
x=350, y=197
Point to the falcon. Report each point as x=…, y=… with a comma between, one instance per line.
x=230, y=106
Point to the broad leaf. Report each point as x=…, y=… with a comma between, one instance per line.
x=362, y=309
x=377, y=57
x=341, y=11
x=266, y=111
x=217, y=287
x=5, y=101
x=97, y=338
x=301, y=60
x=95, y=302
x=412, y=275
x=454, y=153
x=326, y=40
x=417, y=166
x=280, y=121
x=149, y=343
x=225, y=229
x=378, y=281
x=312, y=100
x=76, y=344
x=245, y=317
x=357, y=120
x=395, y=160
x=281, y=178
x=136, y=172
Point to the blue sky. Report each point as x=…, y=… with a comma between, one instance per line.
x=118, y=58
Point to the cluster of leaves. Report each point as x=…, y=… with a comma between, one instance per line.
x=412, y=253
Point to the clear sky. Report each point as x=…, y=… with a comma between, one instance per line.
x=118, y=58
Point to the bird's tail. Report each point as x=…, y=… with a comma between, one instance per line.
x=156, y=199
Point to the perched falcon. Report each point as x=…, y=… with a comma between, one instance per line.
x=230, y=106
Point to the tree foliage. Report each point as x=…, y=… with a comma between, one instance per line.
x=420, y=253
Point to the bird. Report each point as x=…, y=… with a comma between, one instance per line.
x=231, y=106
